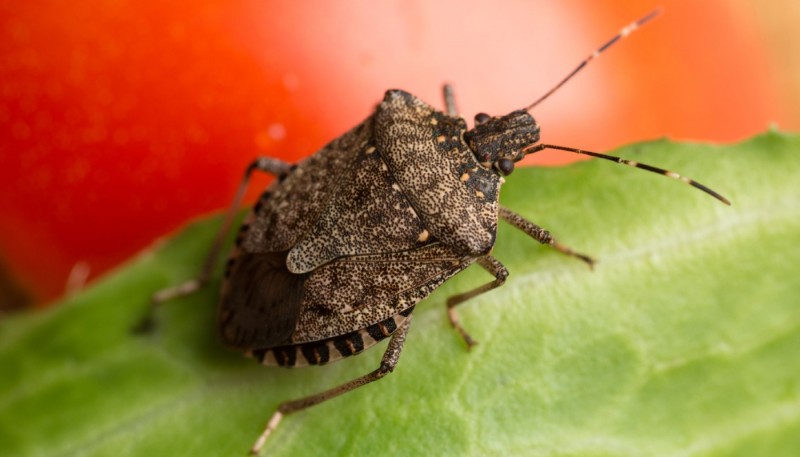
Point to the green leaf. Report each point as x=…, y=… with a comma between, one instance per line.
x=684, y=340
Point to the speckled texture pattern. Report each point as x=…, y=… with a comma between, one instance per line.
x=290, y=207
x=425, y=149
x=362, y=231
x=367, y=214
x=354, y=292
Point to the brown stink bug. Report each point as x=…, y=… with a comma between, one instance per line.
x=342, y=246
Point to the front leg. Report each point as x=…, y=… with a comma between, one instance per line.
x=541, y=235
x=500, y=273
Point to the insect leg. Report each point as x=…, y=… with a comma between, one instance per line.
x=388, y=362
x=500, y=273
x=266, y=164
x=541, y=235
x=450, y=100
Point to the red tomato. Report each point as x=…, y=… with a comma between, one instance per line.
x=123, y=119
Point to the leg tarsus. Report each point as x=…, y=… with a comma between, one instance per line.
x=456, y=323
x=147, y=323
x=388, y=363
x=500, y=273
x=568, y=251
x=272, y=424
x=541, y=235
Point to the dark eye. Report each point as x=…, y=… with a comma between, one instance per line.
x=481, y=118
x=506, y=166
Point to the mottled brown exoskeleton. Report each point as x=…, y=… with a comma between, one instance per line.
x=342, y=246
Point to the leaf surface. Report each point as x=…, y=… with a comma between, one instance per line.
x=684, y=340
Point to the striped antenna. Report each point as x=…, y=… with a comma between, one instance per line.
x=661, y=171
x=627, y=30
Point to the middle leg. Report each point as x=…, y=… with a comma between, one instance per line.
x=500, y=273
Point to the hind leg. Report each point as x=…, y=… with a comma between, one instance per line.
x=266, y=164
x=388, y=363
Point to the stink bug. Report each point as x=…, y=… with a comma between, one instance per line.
x=342, y=246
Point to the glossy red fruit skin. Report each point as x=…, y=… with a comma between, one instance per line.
x=121, y=120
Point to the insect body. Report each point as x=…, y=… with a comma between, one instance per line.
x=385, y=214
x=340, y=248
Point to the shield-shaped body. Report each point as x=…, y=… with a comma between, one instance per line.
x=335, y=255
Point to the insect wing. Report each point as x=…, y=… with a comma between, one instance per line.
x=289, y=208
x=352, y=293
x=368, y=213
x=261, y=302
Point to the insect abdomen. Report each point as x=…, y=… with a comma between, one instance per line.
x=331, y=349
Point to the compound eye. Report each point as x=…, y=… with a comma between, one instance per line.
x=506, y=166
x=481, y=118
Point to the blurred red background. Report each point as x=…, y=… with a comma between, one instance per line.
x=120, y=120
